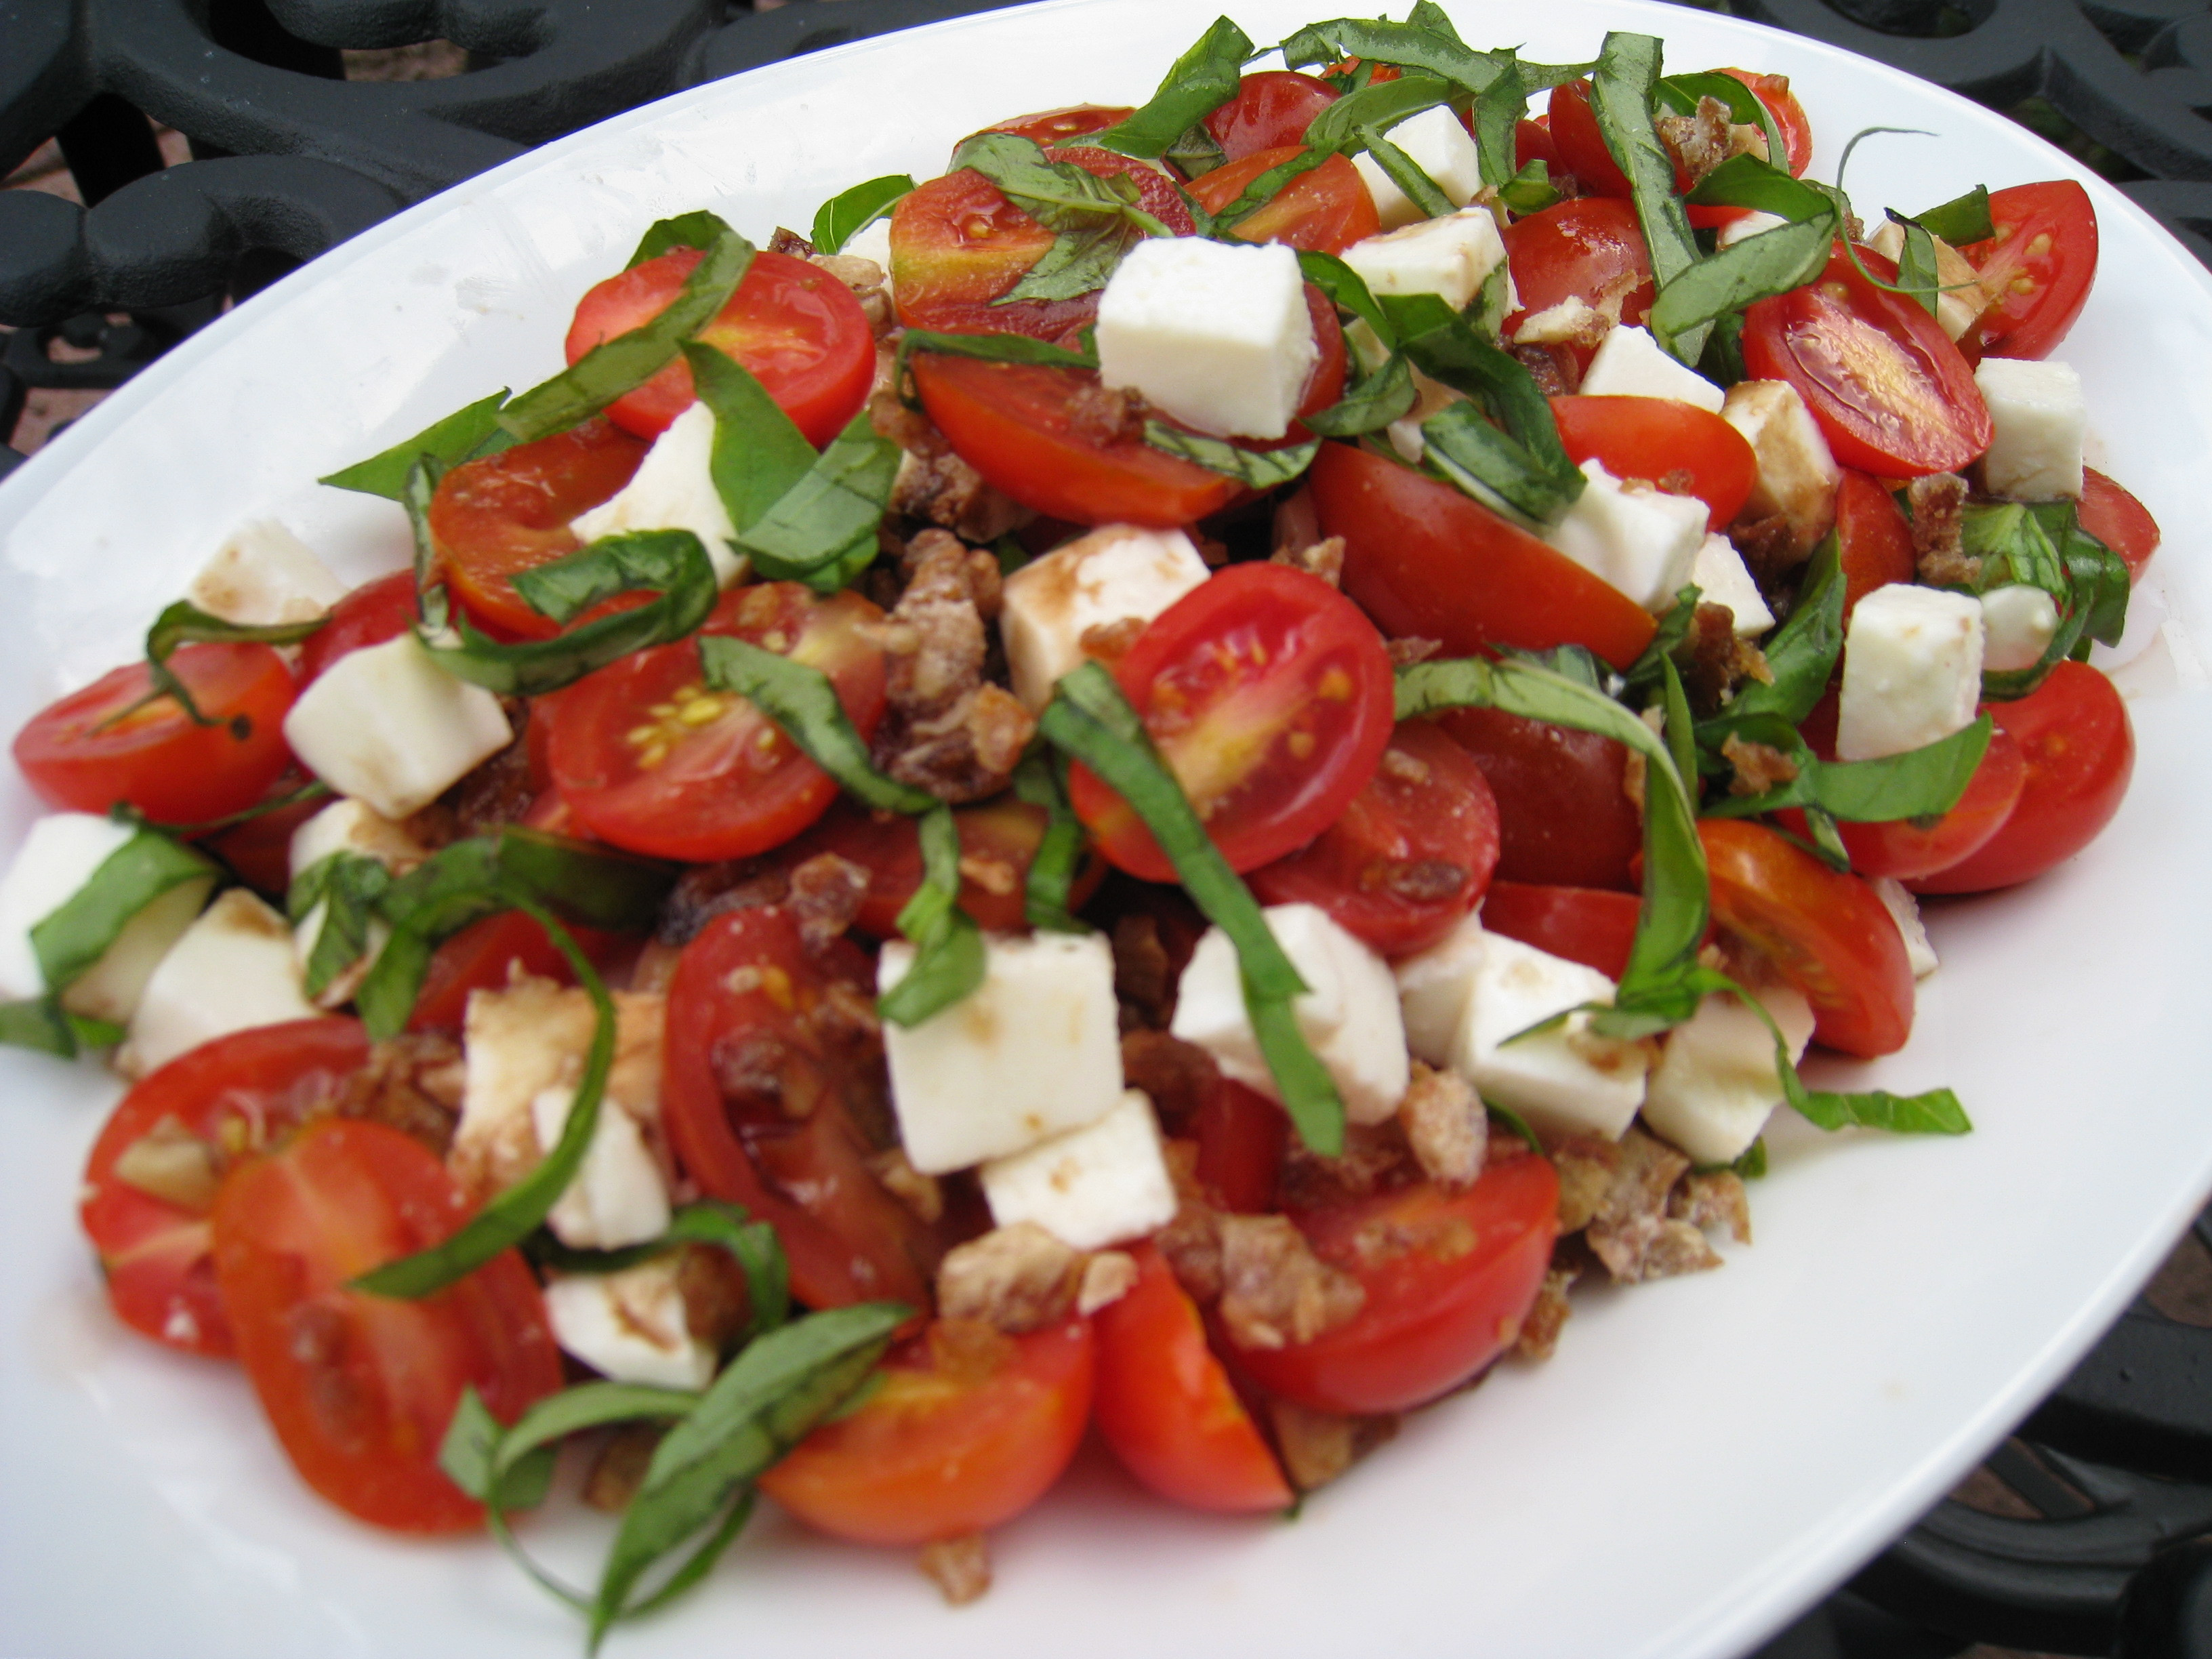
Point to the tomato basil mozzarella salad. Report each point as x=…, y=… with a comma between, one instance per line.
x=1158, y=783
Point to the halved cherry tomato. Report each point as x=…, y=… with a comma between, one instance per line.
x=1902, y=850
x=1059, y=126
x=509, y=512
x=1588, y=248
x=1241, y=1136
x=1271, y=110
x=1533, y=141
x=1825, y=932
x=2079, y=751
x=1326, y=210
x=1269, y=696
x=360, y=1388
x=794, y=325
x=373, y=613
x=1891, y=393
x=2120, y=521
x=2037, y=269
x=226, y=1100
x=1773, y=91
x=967, y=1429
x=1662, y=437
x=768, y=1097
x=1166, y=1406
x=260, y=850
x=1448, y=1278
x=115, y=742
x=1582, y=924
x=1581, y=143
x=1563, y=815
x=482, y=956
x=1873, y=542
x=1424, y=561
x=651, y=760
x=1410, y=855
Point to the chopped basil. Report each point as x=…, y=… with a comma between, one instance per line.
x=697, y=229
x=800, y=698
x=1201, y=82
x=1517, y=1124
x=822, y=531
x=2044, y=546
x=461, y=437
x=1916, y=265
x=753, y=1245
x=505, y=1467
x=589, y=883
x=348, y=887
x=1680, y=93
x=1801, y=654
x=1417, y=43
x=1347, y=289
x=1266, y=187
x=991, y=349
x=844, y=216
x=759, y=454
x=1924, y=782
x=185, y=623
x=39, y=1023
x=72, y=938
x=1403, y=171
x=1620, y=99
x=1744, y=181
x=1530, y=190
x=1753, y=1164
x=1256, y=468
x=1771, y=261
x=1497, y=119
x=1197, y=151
x=314, y=789
x=1094, y=220
x=1962, y=220
x=1644, y=674
x=948, y=948
x=1376, y=399
x=1378, y=107
x=1041, y=782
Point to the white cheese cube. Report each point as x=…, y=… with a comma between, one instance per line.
x=2018, y=622
x=1912, y=670
x=1753, y=223
x=388, y=726
x=1434, y=142
x=1214, y=334
x=1643, y=542
x=1716, y=1083
x=618, y=1197
x=1091, y=1186
x=1630, y=364
x=233, y=969
x=2039, y=421
x=1448, y=256
x=673, y=489
x=1961, y=299
x=1563, y=1080
x=61, y=853
x=1722, y=580
x=1349, y=1015
x=1797, y=476
x=630, y=1326
x=1904, y=910
x=1034, y=1050
x=872, y=241
x=1432, y=989
x=265, y=576
x=355, y=827
x=1118, y=570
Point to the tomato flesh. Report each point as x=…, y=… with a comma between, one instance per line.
x=1326, y=210
x=1061, y=126
x=1901, y=850
x=1693, y=449
x=1587, y=925
x=1563, y=816
x=2037, y=268
x=373, y=613
x=1874, y=542
x=1271, y=110
x=1588, y=248
x=2117, y=518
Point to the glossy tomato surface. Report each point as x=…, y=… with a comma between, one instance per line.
x=1563, y=816
x=1874, y=542
x=1581, y=141
x=1588, y=248
x=1270, y=109
x=1240, y=1135
x=2117, y=518
x=1901, y=849
x=1326, y=210
x=373, y=613
x=485, y=955
x=1589, y=925
x=1691, y=450
x=1059, y=126
x=2036, y=269
x=999, y=841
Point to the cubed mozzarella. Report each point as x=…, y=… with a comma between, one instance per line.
x=1797, y=477
x=2018, y=622
x=2039, y=421
x=1960, y=300
x=1722, y=580
x=630, y=1326
x=1434, y=142
x=1717, y=1083
x=1448, y=256
x=1432, y=990
x=1753, y=223
x=1630, y=364
x=265, y=576
x=1904, y=910
x=618, y=1196
x=1091, y=1186
x=355, y=827
x=1214, y=334
x=1349, y=1015
x=59, y=856
x=1033, y=1051
x=1642, y=541
x=387, y=725
x=231, y=970
x=673, y=489
x=1117, y=571
x=872, y=241
x=1912, y=670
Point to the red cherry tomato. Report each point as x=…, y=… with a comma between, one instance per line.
x=1425, y=562
x=1563, y=817
x=1825, y=931
x=484, y=956
x=1873, y=542
x=967, y=1430
x=1657, y=438
x=260, y=850
x=360, y=1388
x=1902, y=850
x=1581, y=143
x=1890, y=392
x=794, y=325
x=1269, y=696
x=1448, y=1278
x=1059, y=126
x=2120, y=521
x=2079, y=751
x=1582, y=924
x=648, y=758
x=1326, y=210
x=2037, y=268
x=1773, y=91
x=1240, y=1135
x=1271, y=110
x=373, y=613
x=1165, y=1407
x=749, y=1002
x=1533, y=141
x=1588, y=248
x=114, y=742
x=1411, y=855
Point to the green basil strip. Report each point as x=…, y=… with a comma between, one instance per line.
x=587, y=883
x=1090, y=719
x=1408, y=46
x=753, y=1245
x=1078, y=262
x=2044, y=546
x=1448, y=347
x=460, y=884
x=1264, y=188
x=185, y=623
x=1256, y=468
x=1468, y=452
x=1924, y=782
x=315, y=789
x=39, y=1023
x=72, y=938
x=1347, y=290
x=696, y=229
x=1801, y=654
x=1677, y=728
x=1753, y=1164
x=1378, y=107
x=847, y=214
x=1530, y=190
x=1059, y=854
x=823, y=531
x=1389, y=394
x=948, y=947
x=759, y=454
x=991, y=348
x=348, y=886
x=1201, y=82
x=1644, y=674
x=803, y=704
x=1916, y=265
x=1620, y=99
x=1962, y=220
x=628, y=361
x=1197, y=151
x=761, y=1405
x=1744, y=181
x=1771, y=261
x=1746, y=107
x=1403, y=171
x=1093, y=219
x=461, y=437
x=1497, y=116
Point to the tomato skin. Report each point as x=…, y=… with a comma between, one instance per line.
x=1271, y=110
x=1325, y=210
x=1533, y=141
x=360, y=1388
x=481, y=956
x=1902, y=851
x=2040, y=264
x=373, y=613
x=2079, y=751
x=1587, y=925
x=2117, y=518
x=1166, y=1408
x=1825, y=932
x=1445, y=1297
x=1581, y=143
x=1424, y=561
x=1061, y=126
x=1241, y=1136
x=1790, y=119
x=968, y=1429
x=1270, y=697
x=156, y=759
x=1588, y=248
x=1874, y=542
x=1652, y=437
x=1564, y=818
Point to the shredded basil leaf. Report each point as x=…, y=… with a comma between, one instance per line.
x=822, y=531
x=844, y=216
x=2043, y=545
x=72, y=938
x=759, y=454
x=696, y=229
x=1094, y=220
x=1801, y=654
x=753, y=1245
x=1412, y=45
x=461, y=437
x=803, y=703
x=1746, y=107
x=1378, y=107
x=1620, y=99
x=1497, y=121
x=991, y=348
x=1530, y=190
x=1771, y=262
x=1916, y=265
x=1256, y=468
x=1403, y=171
x=948, y=955
x=314, y=789
x=1200, y=83
x=1376, y=399
x=38, y=1022
x=1060, y=854
x=1753, y=1164
x=1962, y=220
x=348, y=886
x=1264, y=188
x=1924, y=782
x=1744, y=181
x=185, y=623
x=1347, y=290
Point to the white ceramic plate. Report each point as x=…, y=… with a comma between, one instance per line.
x=1703, y=1458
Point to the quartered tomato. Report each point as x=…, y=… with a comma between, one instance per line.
x=1533, y=141
x=1891, y=393
x=1410, y=855
x=1692, y=450
x=1326, y=210
x=967, y=1430
x=360, y=1388
x=1588, y=248
x=2037, y=269
x=1588, y=925
x=650, y=759
x=1270, y=697
x=2120, y=521
x=1165, y=1407
x=999, y=839
x=373, y=613
x=1061, y=126
x=1271, y=110
x=776, y=1099
x=1874, y=542
x=1425, y=562
x=794, y=325
x=115, y=742
x=1448, y=1278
